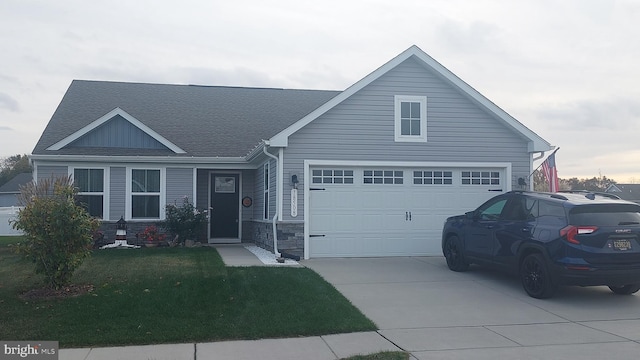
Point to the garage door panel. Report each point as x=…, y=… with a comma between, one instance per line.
x=399, y=219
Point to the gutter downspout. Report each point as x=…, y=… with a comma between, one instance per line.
x=275, y=216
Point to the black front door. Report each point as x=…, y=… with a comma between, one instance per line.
x=224, y=221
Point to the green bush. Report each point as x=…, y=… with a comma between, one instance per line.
x=58, y=233
x=185, y=221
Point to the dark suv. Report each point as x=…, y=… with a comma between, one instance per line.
x=551, y=239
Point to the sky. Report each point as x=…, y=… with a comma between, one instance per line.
x=568, y=70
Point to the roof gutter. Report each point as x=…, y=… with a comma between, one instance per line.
x=275, y=216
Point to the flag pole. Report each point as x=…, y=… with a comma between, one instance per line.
x=536, y=169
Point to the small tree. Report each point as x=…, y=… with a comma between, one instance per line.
x=58, y=232
x=185, y=221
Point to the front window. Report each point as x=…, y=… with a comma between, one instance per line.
x=145, y=194
x=411, y=118
x=90, y=184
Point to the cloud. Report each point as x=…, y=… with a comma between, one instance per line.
x=620, y=114
x=9, y=103
x=5, y=128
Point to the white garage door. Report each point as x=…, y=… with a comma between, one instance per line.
x=361, y=212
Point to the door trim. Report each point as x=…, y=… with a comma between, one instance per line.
x=224, y=240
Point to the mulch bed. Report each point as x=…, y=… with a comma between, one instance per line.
x=48, y=293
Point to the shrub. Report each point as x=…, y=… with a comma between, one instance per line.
x=58, y=232
x=185, y=221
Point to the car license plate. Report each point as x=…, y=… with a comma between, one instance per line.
x=622, y=245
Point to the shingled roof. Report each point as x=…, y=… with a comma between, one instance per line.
x=204, y=121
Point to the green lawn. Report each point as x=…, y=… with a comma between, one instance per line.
x=171, y=295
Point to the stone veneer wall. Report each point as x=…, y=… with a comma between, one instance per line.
x=108, y=228
x=290, y=237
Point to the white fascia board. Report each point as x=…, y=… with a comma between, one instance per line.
x=108, y=116
x=535, y=144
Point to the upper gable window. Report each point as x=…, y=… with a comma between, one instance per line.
x=410, y=118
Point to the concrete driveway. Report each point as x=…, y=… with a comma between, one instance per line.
x=423, y=307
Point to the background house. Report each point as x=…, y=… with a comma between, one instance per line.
x=9, y=203
x=629, y=192
x=369, y=171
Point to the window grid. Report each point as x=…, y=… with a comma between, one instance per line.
x=385, y=177
x=429, y=177
x=145, y=197
x=480, y=178
x=410, y=118
x=332, y=176
x=90, y=184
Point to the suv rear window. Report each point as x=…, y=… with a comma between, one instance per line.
x=605, y=215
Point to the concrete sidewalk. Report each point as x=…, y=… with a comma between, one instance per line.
x=327, y=347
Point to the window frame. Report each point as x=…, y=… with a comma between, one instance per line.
x=130, y=194
x=105, y=187
x=398, y=101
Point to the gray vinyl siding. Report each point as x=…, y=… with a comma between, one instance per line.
x=202, y=189
x=118, y=192
x=117, y=133
x=179, y=184
x=362, y=128
x=248, y=177
x=48, y=171
x=258, y=200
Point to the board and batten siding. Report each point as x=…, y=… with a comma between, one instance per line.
x=118, y=133
x=362, y=128
x=117, y=194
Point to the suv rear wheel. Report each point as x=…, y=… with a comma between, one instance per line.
x=626, y=289
x=454, y=254
x=535, y=277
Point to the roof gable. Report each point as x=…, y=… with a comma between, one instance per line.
x=202, y=121
x=99, y=126
x=535, y=142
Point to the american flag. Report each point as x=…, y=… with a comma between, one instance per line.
x=551, y=172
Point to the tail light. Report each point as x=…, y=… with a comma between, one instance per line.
x=570, y=232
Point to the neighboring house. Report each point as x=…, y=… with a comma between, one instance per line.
x=9, y=204
x=629, y=192
x=10, y=190
x=369, y=171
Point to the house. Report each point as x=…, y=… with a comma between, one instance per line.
x=369, y=171
x=11, y=189
x=9, y=203
x=630, y=192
